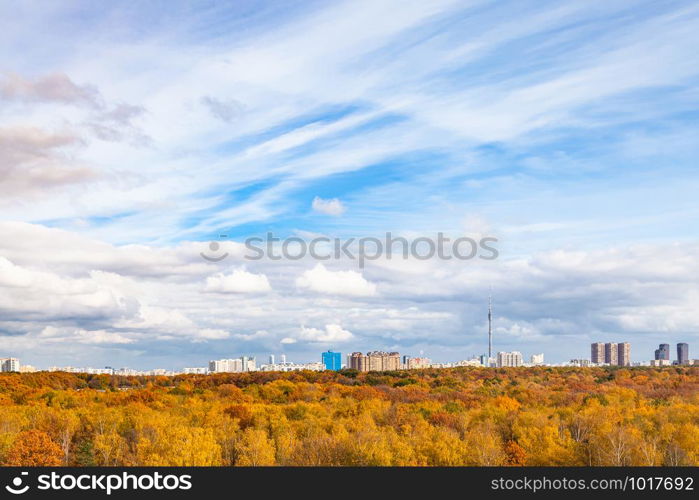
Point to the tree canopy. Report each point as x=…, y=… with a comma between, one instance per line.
x=461, y=416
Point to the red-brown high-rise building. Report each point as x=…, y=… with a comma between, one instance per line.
x=611, y=353
x=374, y=361
x=359, y=362
x=597, y=354
x=623, y=354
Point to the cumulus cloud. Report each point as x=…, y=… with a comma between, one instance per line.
x=27, y=293
x=349, y=283
x=159, y=318
x=81, y=336
x=239, y=281
x=36, y=245
x=331, y=333
x=332, y=206
x=146, y=299
x=212, y=334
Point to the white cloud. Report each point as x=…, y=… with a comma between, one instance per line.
x=274, y=73
x=349, y=283
x=328, y=207
x=56, y=87
x=78, y=335
x=33, y=161
x=578, y=295
x=26, y=292
x=331, y=333
x=239, y=281
x=223, y=110
x=159, y=318
x=212, y=334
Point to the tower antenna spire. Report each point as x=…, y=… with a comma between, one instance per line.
x=490, y=325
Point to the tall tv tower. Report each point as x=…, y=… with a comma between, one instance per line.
x=490, y=327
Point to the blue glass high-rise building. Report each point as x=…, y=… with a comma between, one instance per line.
x=332, y=360
x=663, y=352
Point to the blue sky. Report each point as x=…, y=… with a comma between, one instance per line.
x=142, y=131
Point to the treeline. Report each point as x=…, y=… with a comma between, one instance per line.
x=460, y=416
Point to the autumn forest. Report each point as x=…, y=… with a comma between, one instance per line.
x=460, y=416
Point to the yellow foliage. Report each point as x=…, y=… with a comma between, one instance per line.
x=462, y=416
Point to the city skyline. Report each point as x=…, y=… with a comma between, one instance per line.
x=601, y=354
